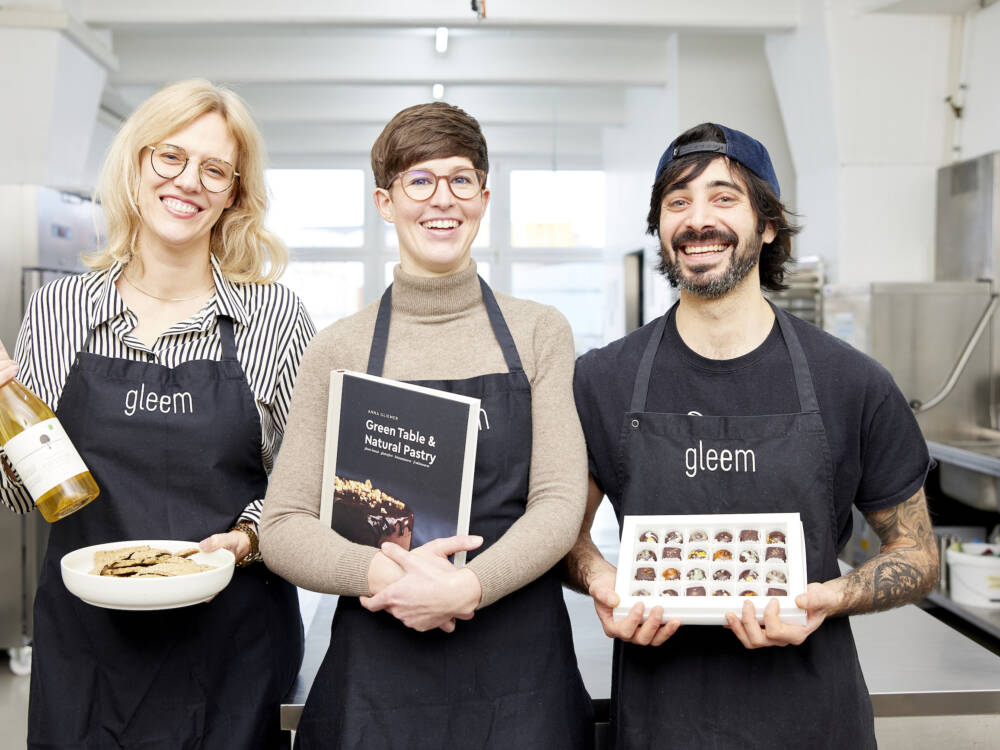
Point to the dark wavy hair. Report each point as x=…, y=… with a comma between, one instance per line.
x=767, y=207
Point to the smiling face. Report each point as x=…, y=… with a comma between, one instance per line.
x=708, y=232
x=435, y=235
x=178, y=213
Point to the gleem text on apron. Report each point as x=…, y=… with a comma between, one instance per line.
x=505, y=679
x=180, y=463
x=702, y=688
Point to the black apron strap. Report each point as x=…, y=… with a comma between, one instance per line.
x=380, y=338
x=376, y=357
x=86, y=341
x=500, y=329
x=642, y=376
x=800, y=367
x=225, y=325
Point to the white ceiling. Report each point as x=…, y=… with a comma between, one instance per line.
x=323, y=76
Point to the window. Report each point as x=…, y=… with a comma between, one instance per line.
x=330, y=290
x=557, y=209
x=546, y=244
x=575, y=289
x=317, y=207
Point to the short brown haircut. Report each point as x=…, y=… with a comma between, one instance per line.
x=434, y=130
x=767, y=207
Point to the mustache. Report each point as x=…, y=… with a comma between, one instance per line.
x=715, y=236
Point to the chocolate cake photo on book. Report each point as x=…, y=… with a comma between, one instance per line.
x=367, y=515
x=399, y=461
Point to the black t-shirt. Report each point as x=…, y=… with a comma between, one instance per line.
x=879, y=456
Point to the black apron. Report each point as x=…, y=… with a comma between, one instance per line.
x=702, y=688
x=210, y=675
x=506, y=679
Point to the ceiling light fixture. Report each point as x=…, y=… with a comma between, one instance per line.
x=437, y=91
x=441, y=40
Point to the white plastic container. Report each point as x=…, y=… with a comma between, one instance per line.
x=698, y=567
x=974, y=577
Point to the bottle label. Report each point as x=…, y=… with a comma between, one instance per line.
x=43, y=457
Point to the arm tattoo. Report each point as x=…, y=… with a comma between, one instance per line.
x=905, y=569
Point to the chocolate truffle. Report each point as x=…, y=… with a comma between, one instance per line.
x=672, y=553
x=749, y=535
x=748, y=592
x=721, y=592
x=723, y=536
x=696, y=591
x=671, y=574
x=776, y=592
x=721, y=575
x=775, y=537
x=648, y=536
x=748, y=575
x=749, y=556
x=697, y=554
x=696, y=574
x=668, y=592
x=775, y=553
x=699, y=536
x=645, y=574
x=776, y=576
x=722, y=554
x=672, y=537
x=646, y=554
x=640, y=592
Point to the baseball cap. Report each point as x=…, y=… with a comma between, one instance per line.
x=738, y=146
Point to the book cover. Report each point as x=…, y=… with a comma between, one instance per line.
x=399, y=461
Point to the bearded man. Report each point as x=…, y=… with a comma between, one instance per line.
x=828, y=429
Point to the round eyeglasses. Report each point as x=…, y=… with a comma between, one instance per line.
x=169, y=161
x=420, y=184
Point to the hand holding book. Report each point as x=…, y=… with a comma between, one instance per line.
x=431, y=592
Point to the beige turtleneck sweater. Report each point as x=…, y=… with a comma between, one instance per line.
x=440, y=331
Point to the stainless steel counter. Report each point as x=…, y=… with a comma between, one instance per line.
x=914, y=664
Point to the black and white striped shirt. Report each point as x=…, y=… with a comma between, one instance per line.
x=271, y=325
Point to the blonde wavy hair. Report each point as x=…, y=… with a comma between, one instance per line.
x=245, y=249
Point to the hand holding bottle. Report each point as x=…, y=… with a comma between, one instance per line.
x=38, y=449
x=8, y=367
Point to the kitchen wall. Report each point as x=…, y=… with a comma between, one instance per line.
x=980, y=125
x=862, y=99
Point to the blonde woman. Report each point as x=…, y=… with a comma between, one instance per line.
x=181, y=304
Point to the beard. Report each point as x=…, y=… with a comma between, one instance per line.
x=745, y=255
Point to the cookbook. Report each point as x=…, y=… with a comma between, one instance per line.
x=399, y=461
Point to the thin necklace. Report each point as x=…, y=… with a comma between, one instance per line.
x=165, y=299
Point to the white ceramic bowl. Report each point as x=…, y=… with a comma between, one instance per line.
x=146, y=593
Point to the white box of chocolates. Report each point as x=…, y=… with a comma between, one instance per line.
x=699, y=567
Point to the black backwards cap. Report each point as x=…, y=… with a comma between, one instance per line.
x=738, y=146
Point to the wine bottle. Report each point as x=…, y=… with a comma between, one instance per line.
x=42, y=455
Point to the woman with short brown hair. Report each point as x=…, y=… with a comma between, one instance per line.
x=424, y=654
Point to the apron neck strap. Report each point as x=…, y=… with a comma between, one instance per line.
x=376, y=357
x=800, y=367
x=380, y=338
x=225, y=325
x=642, y=377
